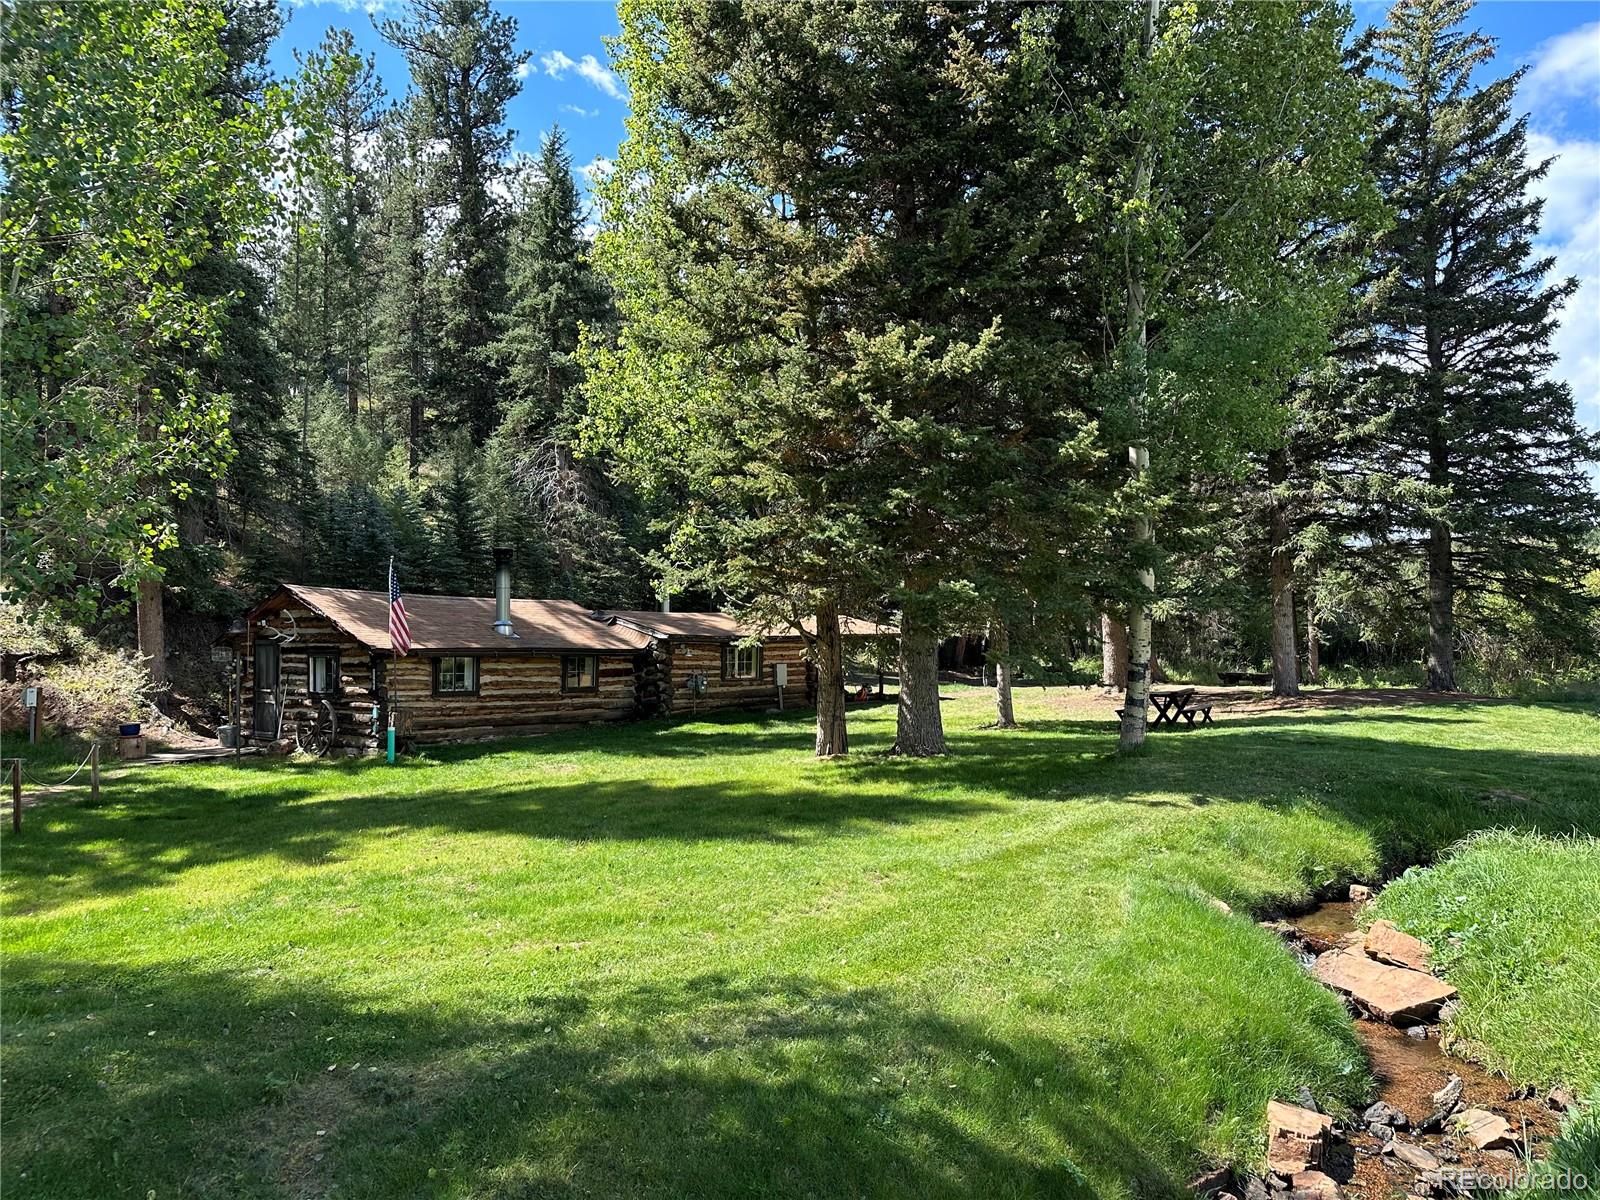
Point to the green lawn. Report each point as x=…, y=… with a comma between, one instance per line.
x=1514, y=920
x=690, y=960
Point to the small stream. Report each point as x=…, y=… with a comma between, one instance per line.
x=1408, y=1071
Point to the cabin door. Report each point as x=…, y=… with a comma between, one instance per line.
x=265, y=681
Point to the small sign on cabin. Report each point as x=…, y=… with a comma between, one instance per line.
x=222, y=654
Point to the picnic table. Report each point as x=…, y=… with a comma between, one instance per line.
x=1179, y=703
x=1175, y=704
x=1170, y=704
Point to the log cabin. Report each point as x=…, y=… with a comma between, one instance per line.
x=318, y=669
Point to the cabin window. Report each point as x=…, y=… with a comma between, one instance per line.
x=455, y=675
x=580, y=673
x=741, y=662
x=322, y=672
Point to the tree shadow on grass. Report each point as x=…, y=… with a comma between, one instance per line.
x=1414, y=797
x=156, y=831
x=719, y=734
x=250, y=1085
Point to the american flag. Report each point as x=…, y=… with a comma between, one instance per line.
x=399, y=630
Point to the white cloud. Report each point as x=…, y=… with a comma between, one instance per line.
x=1571, y=193
x=524, y=70
x=349, y=6
x=557, y=63
x=578, y=110
x=1566, y=67
x=603, y=77
x=596, y=169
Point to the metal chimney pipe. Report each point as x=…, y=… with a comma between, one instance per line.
x=502, y=591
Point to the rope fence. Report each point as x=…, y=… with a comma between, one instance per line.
x=16, y=769
x=76, y=771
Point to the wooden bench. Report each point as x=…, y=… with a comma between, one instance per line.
x=1235, y=678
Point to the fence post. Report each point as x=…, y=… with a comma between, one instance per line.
x=94, y=772
x=16, y=795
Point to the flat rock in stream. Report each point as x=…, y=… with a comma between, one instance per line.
x=1486, y=1130
x=1413, y=1155
x=1297, y=1138
x=1387, y=943
x=1398, y=995
x=1312, y=1185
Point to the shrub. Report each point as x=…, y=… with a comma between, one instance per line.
x=84, y=686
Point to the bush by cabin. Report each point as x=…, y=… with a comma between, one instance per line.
x=318, y=669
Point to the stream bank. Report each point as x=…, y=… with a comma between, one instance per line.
x=1440, y=1125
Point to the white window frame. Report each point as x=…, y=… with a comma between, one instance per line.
x=330, y=682
x=468, y=675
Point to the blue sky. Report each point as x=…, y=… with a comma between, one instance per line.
x=569, y=82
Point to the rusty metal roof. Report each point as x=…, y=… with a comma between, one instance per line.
x=440, y=623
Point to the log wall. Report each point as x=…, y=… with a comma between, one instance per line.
x=357, y=695
x=705, y=658
x=517, y=694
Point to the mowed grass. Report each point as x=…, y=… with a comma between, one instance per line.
x=689, y=960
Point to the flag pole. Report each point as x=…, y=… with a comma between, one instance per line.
x=390, y=706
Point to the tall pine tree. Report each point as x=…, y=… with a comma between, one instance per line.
x=1483, y=454
x=549, y=501
x=464, y=70
x=842, y=375
x=406, y=351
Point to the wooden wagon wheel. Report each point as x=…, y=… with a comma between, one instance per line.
x=317, y=730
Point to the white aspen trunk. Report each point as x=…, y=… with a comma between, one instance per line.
x=1137, y=697
x=1000, y=642
x=151, y=631
x=919, y=725
x=832, y=737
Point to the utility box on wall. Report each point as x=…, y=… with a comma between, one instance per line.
x=780, y=674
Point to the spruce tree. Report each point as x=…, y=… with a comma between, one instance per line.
x=1484, y=458
x=843, y=376
x=554, y=291
x=405, y=351
x=343, y=87
x=464, y=70
x=540, y=480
